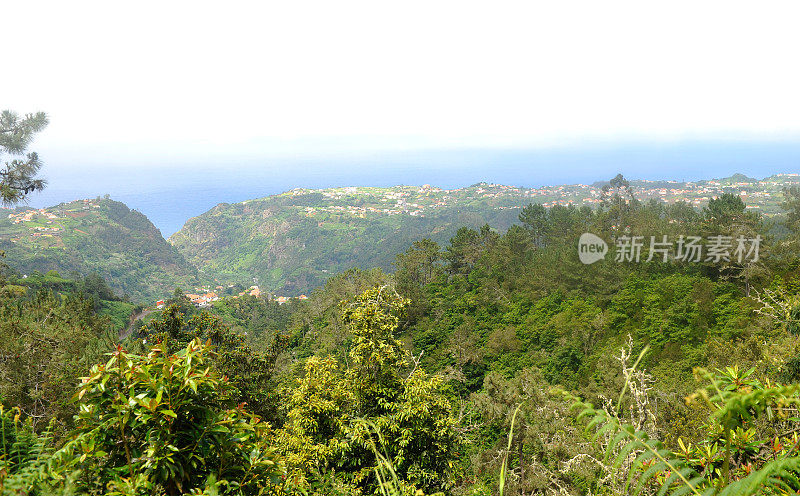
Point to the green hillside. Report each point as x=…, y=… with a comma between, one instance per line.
x=473, y=369
x=292, y=242
x=99, y=236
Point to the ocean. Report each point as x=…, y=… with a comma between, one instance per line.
x=172, y=190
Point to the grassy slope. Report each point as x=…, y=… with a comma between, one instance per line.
x=101, y=236
x=292, y=242
x=292, y=249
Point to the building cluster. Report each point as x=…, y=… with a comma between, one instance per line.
x=38, y=224
x=49, y=216
x=204, y=298
x=286, y=299
x=421, y=201
x=29, y=215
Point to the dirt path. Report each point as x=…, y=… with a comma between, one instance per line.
x=138, y=316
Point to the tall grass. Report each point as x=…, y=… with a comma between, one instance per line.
x=504, y=466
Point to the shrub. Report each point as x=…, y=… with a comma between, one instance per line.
x=158, y=424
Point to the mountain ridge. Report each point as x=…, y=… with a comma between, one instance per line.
x=292, y=241
x=99, y=236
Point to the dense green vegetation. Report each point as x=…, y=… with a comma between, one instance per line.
x=293, y=242
x=495, y=363
x=101, y=237
x=51, y=330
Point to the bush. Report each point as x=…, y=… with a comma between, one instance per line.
x=158, y=424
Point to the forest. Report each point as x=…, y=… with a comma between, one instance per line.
x=495, y=364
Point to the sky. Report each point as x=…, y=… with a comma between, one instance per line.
x=335, y=92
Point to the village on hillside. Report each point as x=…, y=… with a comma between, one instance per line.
x=762, y=195
x=51, y=227
x=48, y=222
x=204, y=297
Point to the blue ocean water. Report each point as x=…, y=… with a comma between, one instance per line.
x=171, y=191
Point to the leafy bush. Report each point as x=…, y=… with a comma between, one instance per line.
x=750, y=448
x=23, y=454
x=157, y=423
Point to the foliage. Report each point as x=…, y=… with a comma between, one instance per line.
x=417, y=267
x=46, y=341
x=159, y=423
x=317, y=326
x=746, y=450
x=249, y=372
x=435, y=378
x=295, y=241
x=258, y=318
x=97, y=238
x=501, y=315
x=791, y=204
x=351, y=422
x=18, y=177
x=23, y=454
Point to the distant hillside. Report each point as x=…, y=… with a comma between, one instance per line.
x=95, y=236
x=292, y=242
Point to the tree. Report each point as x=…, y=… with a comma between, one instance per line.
x=618, y=199
x=419, y=264
x=791, y=204
x=725, y=210
x=681, y=212
x=748, y=447
x=466, y=248
x=343, y=417
x=534, y=219
x=45, y=342
x=416, y=268
x=18, y=176
x=250, y=372
x=543, y=436
x=727, y=216
x=617, y=192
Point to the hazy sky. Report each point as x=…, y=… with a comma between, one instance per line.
x=155, y=82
